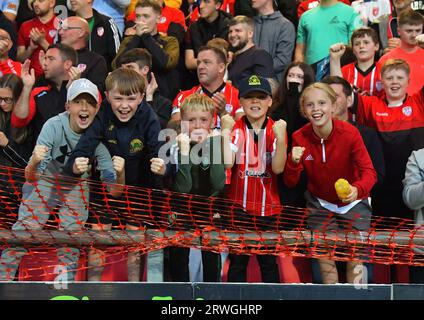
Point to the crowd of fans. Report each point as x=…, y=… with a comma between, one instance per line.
x=291, y=96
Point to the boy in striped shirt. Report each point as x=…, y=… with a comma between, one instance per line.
x=255, y=150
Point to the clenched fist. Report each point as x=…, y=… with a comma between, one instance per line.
x=183, y=141
x=81, y=165
x=118, y=164
x=227, y=122
x=157, y=166
x=279, y=129
x=297, y=153
x=39, y=153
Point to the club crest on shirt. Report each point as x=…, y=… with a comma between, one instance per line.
x=100, y=31
x=229, y=108
x=52, y=33
x=378, y=85
x=136, y=146
x=407, y=111
x=162, y=19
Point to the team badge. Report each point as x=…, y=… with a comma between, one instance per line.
x=378, y=85
x=407, y=111
x=52, y=33
x=254, y=81
x=375, y=11
x=136, y=146
x=229, y=108
x=100, y=31
x=82, y=67
x=111, y=127
x=162, y=19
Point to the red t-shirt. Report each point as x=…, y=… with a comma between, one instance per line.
x=231, y=95
x=10, y=66
x=368, y=82
x=416, y=65
x=253, y=183
x=50, y=29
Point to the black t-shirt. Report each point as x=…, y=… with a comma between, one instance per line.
x=252, y=61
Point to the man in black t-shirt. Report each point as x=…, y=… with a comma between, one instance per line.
x=248, y=59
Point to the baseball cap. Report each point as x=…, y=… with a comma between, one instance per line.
x=254, y=83
x=80, y=86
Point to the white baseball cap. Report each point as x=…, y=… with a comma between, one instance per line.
x=80, y=86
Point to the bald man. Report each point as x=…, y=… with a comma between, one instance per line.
x=74, y=32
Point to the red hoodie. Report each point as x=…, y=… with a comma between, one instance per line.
x=341, y=155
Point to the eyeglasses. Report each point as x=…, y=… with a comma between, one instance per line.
x=6, y=100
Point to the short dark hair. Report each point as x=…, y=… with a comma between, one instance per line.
x=66, y=52
x=149, y=4
x=220, y=55
x=365, y=31
x=347, y=88
x=140, y=56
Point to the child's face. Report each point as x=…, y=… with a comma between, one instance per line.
x=124, y=107
x=395, y=83
x=256, y=105
x=364, y=48
x=317, y=107
x=408, y=33
x=82, y=111
x=199, y=124
x=296, y=74
x=6, y=102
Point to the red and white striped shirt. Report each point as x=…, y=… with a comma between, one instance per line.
x=230, y=93
x=252, y=181
x=368, y=81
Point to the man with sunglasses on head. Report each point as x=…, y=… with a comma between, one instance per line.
x=74, y=32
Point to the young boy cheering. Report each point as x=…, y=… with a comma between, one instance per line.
x=256, y=153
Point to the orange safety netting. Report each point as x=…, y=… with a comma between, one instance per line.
x=144, y=220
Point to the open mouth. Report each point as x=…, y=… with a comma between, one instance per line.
x=317, y=116
x=84, y=118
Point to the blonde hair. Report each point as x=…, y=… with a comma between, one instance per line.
x=126, y=81
x=197, y=102
x=320, y=86
x=395, y=64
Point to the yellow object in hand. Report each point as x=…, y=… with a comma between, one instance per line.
x=342, y=188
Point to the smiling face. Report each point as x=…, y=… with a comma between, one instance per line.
x=317, y=107
x=238, y=36
x=255, y=105
x=123, y=106
x=364, y=48
x=395, y=83
x=82, y=111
